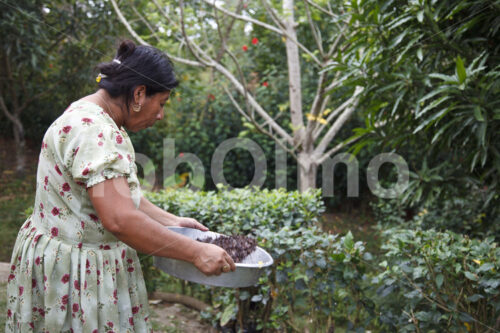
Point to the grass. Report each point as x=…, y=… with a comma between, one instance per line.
x=3, y=305
x=16, y=196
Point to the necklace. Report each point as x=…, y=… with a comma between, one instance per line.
x=111, y=114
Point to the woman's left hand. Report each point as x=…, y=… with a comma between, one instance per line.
x=188, y=222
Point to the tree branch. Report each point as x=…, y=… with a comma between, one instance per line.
x=267, y=26
x=274, y=15
x=315, y=33
x=336, y=149
x=337, y=125
x=259, y=127
x=191, y=46
x=143, y=20
x=315, y=5
x=245, y=18
x=141, y=41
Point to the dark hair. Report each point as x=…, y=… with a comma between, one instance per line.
x=140, y=65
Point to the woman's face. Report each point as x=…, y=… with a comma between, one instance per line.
x=151, y=110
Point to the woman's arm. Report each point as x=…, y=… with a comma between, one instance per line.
x=112, y=202
x=157, y=213
x=167, y=219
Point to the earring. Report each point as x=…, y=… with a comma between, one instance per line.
x=136, y=107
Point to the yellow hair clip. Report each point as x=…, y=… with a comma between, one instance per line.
x=100, y=77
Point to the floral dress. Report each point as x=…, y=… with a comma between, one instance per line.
x=68, y=273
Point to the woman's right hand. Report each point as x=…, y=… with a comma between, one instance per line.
x=212, y=259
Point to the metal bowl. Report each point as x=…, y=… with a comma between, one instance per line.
x=246, y=274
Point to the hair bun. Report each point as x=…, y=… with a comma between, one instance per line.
x=126, y=48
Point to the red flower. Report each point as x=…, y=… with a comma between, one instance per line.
x=130, y=261
x=46, y=180
x=119, y=139
x=21, y=289
x=64, y=299
x=66, y=129
x=110, y=324
x=130, y=269
x=54, y=231
x=255, y=41
x=94, y=217
x=41, y=312
x=11, y=277
x=9, y=313
x=245, y=48
x=106, y=247
x=65, y=278
x=57, y=170
x=42, y=215
x=181, y=154
x=75, y=307
x=41, y=205
x=37, y=237
x=135, y=309
x=66, y=187
x=120, y=156
x=211, y=97
x=79, y=245
x=76, y=284
x=13, y=267
x=87, y=264
x=37, y=261
x=115, y=294
x=100, y=135
x=265, y=84
x=123, y=254
x=82, y=224
x=87, y=120
x=55, y=211
x=33, y=283
x=131, y=321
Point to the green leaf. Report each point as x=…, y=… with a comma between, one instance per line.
x=471, y=276
x=349, y=241
x=462, y=75
x=439, y=280
x=475, y=298
x=228, y=313
x=478, y=114
x=420, y=16
x=420, y=54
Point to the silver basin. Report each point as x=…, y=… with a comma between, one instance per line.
x=246, y=274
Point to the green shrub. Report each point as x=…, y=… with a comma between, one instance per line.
x=315, y=276
x=461, y=214
x=438, y=281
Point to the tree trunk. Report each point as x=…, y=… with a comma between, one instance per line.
x=19, y=139
x=294, y=75
x=307, y=170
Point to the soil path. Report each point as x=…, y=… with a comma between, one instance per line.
x=4, y=271
x=165, y=317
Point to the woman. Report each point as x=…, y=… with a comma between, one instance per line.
x=74, y=265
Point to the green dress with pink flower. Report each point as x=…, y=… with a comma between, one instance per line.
x=68, y=273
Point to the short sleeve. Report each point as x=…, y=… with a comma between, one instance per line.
x=100, y=153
